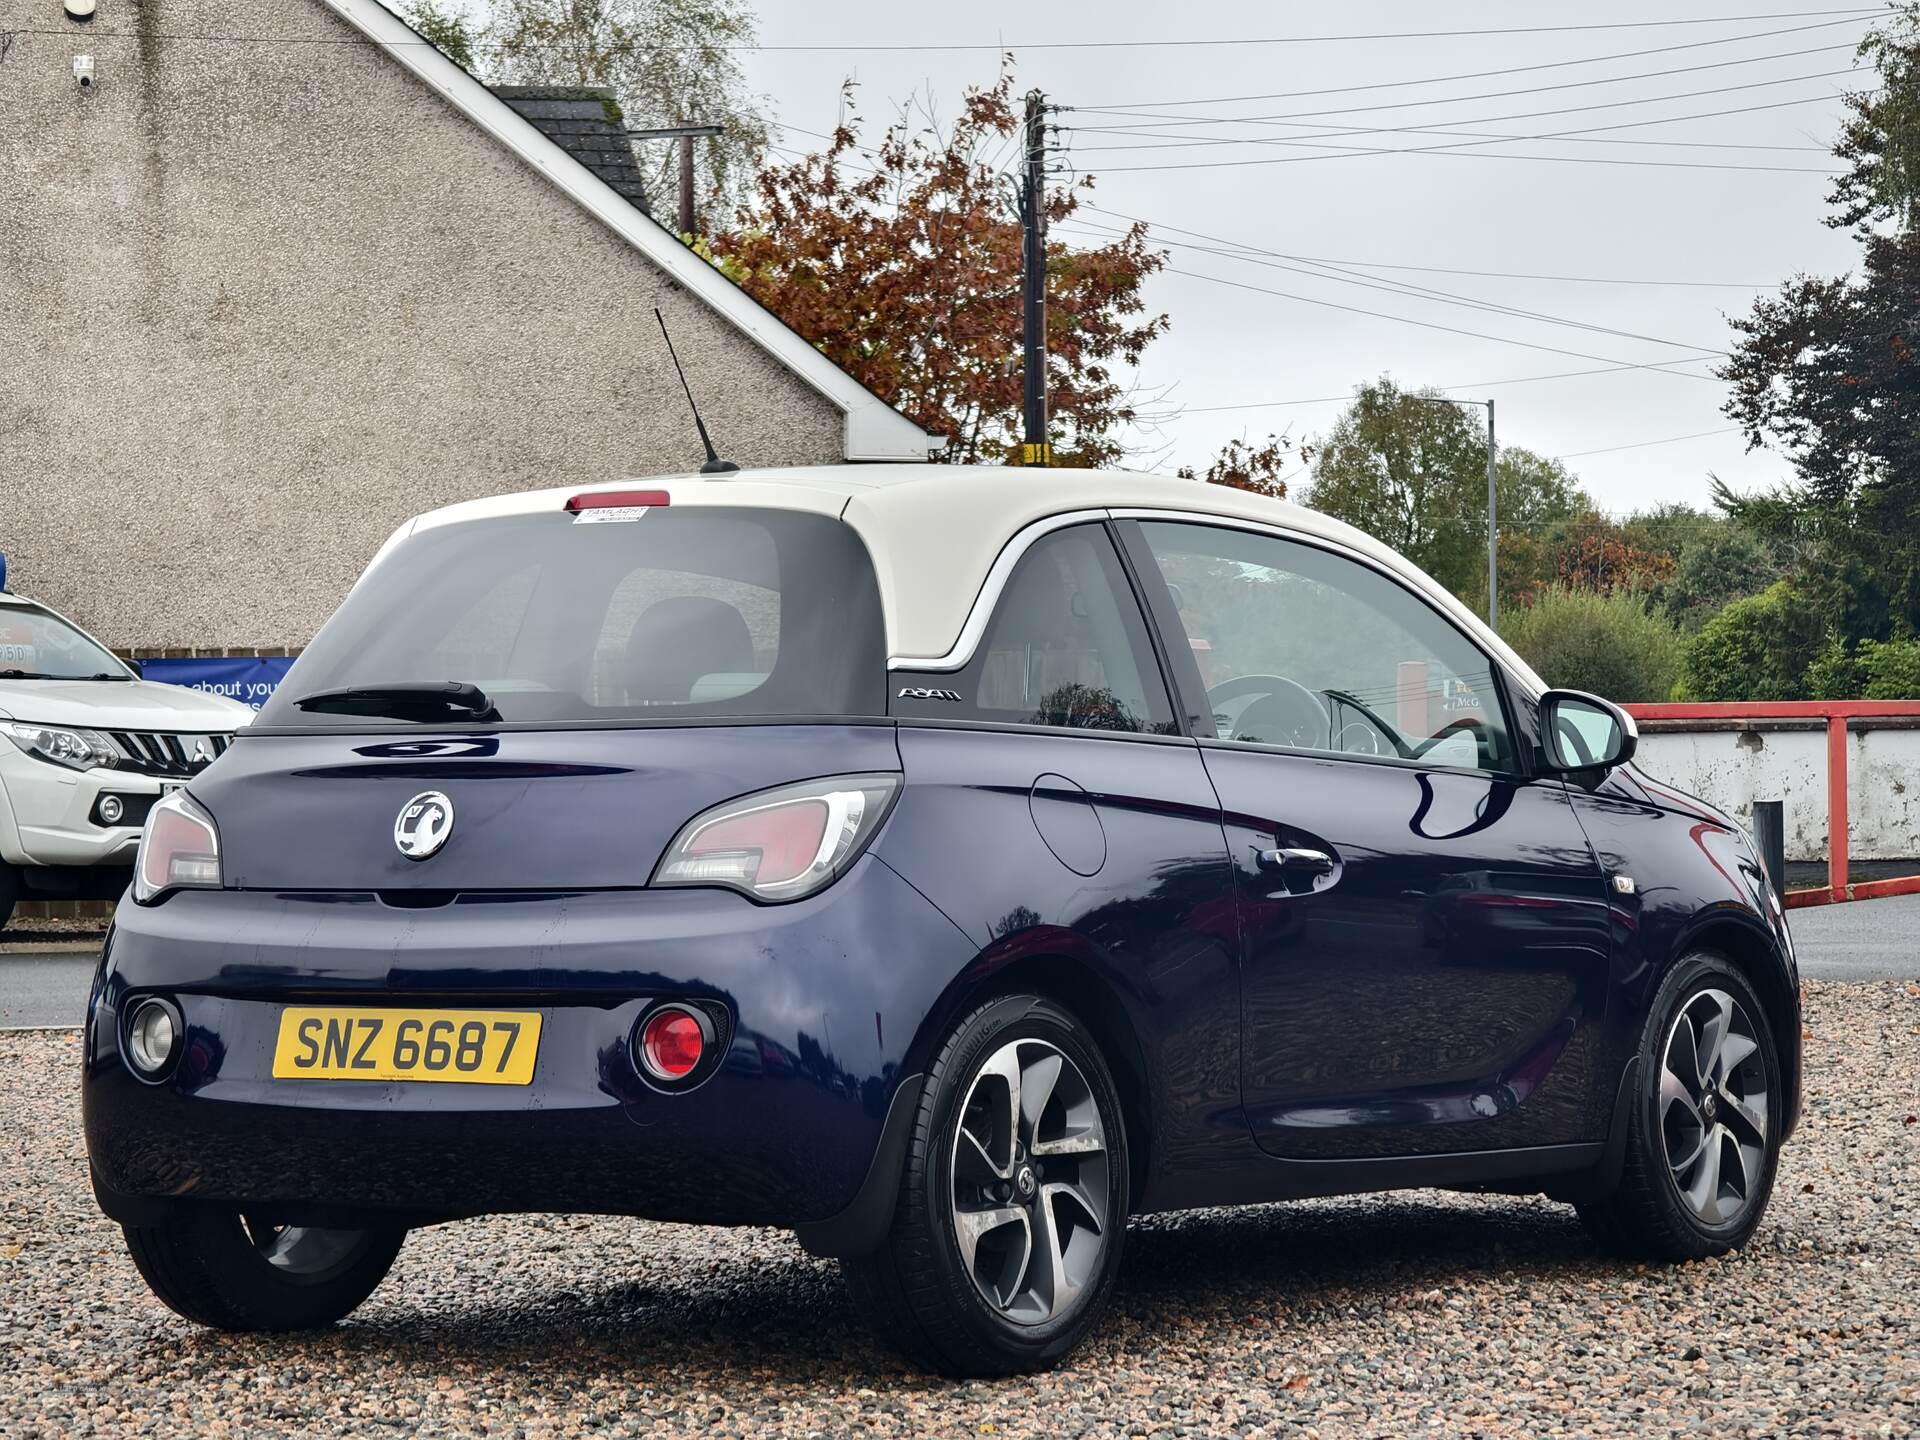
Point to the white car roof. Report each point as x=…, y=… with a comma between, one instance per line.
x=936, y=532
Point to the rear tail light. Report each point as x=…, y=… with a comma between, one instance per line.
x=179, y=850
x=781, y=844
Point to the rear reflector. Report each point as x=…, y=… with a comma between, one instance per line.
x=672, y=1042
x=617, y=500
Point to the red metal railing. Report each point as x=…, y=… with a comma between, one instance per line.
x=1836, y=714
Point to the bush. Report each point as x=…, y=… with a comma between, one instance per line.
x=1893, y=669
x=1877, y=670
x=1607, y=644
x=1834, y=673
x=1759, y=648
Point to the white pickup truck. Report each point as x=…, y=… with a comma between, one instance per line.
x=86, y=747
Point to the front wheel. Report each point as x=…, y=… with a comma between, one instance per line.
x=229, y=1271
x=1703, y=1139
x=1006, y=1241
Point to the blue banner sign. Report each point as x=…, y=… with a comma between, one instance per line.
x=250, y=679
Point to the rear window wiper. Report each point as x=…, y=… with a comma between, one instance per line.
x=405, y=700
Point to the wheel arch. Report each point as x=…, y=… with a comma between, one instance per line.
x=1756, y=955
x=1063, y=972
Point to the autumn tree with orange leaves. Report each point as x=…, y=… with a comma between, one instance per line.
x=902, y=265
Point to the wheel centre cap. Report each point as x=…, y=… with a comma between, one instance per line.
x=1025, y=1183
x=1709, y=1104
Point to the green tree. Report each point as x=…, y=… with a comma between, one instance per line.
x=446, y=25
x=1758, y=648
x=1827, y=371
x=1608, y=644
x=670, y=62
x=1414, y=474
x=1720, y=563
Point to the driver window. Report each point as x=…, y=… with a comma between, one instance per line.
x=1303, y=648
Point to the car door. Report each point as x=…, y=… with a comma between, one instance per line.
x=1057, y=812
x=1424, y=926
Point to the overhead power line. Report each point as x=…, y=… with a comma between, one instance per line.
x=844, y=47
x=1177, y=142
x=1422, y=324
x=1854, y=19
x=1444, y=153
x=1643, y=444
x=1270, y=259
x=1300, y=403
x=1539, y=89
x=1462, y=147
x=1282, y=120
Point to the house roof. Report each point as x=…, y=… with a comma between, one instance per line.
x=584, y=121
x=873, y=429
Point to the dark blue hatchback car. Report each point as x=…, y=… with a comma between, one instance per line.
x=945, y=865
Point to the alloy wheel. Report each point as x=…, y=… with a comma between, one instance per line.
x=1714, y=1107
x=1029, y=1190
x=305, y=1252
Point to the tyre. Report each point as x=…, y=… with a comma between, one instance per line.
x=9, y=892
x=1703, y=1138
x=219, y=1268
x=1012, y=1209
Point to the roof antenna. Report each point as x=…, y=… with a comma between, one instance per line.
x=715, y=465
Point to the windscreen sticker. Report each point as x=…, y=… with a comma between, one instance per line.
x=611, y=515
x=16, y=647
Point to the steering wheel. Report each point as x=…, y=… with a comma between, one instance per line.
x=1287, y=713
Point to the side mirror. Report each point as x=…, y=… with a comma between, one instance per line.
x=1583, y=732
x=139, y=671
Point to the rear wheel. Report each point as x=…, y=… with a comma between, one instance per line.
x=1007, y=1236
x=232, y=1272
x=1703, y=1142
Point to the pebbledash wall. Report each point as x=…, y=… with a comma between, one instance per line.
x=263, y=298
x=1733, y=764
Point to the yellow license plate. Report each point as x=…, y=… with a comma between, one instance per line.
x=472, y=1047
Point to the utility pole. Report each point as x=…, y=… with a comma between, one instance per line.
x=686, y=185
x=1493, y=528
x=1493, y=513
x=686, y=135
x=1033, y=270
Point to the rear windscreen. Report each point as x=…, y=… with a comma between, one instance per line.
x=702, y=611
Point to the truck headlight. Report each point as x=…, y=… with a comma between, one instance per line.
x=63, y=745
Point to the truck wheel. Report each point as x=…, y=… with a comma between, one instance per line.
x=9, y=892
x=1006, y=1241
x=222, y=1269
x=1703, y=1138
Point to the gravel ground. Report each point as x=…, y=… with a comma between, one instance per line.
x=1418, y=1313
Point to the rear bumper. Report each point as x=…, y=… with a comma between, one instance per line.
x=826, y=997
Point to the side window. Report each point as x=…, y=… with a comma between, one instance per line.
x=1066, y=647
x=1303, y=648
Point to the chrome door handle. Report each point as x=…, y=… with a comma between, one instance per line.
x=1295, y=861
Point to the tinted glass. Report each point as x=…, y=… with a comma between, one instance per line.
x=38, y=645
x=699, y=611
x=1303, y=648
x=1066, y=647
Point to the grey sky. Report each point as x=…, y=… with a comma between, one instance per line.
x=1644, y=221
